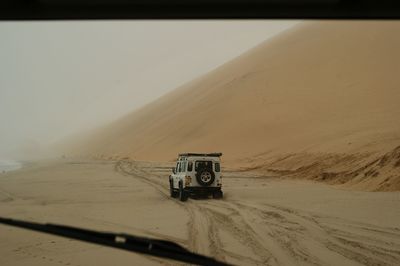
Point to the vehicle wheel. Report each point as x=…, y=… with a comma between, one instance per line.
x=205, y=177
x=218, y=194
x=172, y=191
x=182, y=193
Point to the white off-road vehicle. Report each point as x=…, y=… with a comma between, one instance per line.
x=196, y=174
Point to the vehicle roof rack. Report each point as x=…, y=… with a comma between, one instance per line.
x=214, y=154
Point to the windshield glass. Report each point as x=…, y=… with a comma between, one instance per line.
x=295, y=125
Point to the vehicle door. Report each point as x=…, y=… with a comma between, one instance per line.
x=182, y=171
x=175, y=174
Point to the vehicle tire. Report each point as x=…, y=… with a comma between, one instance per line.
x=173, y=193
x=182, y=193
x=218, y=194
x=205, y=177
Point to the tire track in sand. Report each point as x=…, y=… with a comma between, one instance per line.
x=282, y=235
x=358, y=242
x=198, y=241
x=205, y=222
x=276, y=235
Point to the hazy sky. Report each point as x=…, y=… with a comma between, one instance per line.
x=59, y=78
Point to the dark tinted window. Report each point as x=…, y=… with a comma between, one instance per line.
x=190, y=166
x=217, y=167
x=203, y=164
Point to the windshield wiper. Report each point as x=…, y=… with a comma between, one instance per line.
x=153, y=247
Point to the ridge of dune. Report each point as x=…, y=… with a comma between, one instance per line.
x=320, y=101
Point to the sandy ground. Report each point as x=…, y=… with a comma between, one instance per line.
x=261, y=220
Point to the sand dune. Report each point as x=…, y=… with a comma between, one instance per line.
x=320, y=101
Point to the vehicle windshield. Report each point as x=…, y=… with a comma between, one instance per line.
x=251, y=142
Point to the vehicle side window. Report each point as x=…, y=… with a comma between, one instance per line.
x=180, y=167
x=198, y=164
x=177, y=167
x=184, y=166
x=190, y=166
x=217, y=167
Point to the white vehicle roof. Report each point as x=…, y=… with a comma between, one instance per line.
x=214, y=154
x=200, y=156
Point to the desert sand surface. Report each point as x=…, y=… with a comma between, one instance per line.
x=320, y=101
x=262, y=219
